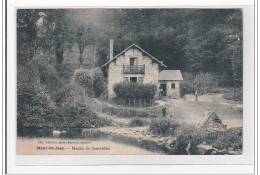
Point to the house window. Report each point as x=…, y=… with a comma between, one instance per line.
x=140, y=80
x=133, y=79
x=132, y=61
x=125, y=79
x=173, y=85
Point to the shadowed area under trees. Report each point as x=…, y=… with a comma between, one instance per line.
x=53, y=44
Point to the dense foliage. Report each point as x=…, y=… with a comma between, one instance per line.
x=136, y=91
x=92, y=80
x=230, y=139
x=202, y=82
x=58, y=50
x=137, y=122
x=200, y=40
x=163, y=127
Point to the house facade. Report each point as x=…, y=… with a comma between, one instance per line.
x=136, y=65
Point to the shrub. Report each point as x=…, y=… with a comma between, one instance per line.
x=34, y=105
x=76, y=112
x=36, y=111
x=135, y=91
x=231, y=138
x=76, y=115
x=164, y=127
x=136, y=122
x=189, y=135
x=99, y=86
x=230, y=95
x=92, y=80
x=83, y=77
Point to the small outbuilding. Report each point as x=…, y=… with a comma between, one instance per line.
x=169, y=81
x=211, y=122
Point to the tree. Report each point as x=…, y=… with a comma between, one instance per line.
x=84, y=37
x=26, y=34
x=57, y=33
x=34, y=105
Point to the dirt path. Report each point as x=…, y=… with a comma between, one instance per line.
x=191, y=111
x=185, y=112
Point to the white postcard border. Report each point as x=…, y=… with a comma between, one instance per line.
x=14, y=162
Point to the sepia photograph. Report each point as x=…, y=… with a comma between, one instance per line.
x=128, y=81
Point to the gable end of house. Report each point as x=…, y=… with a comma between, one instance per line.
x=139, y=48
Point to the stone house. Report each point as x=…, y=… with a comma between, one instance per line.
x=136, y=65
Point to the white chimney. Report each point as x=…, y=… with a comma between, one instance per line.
x=111, y=43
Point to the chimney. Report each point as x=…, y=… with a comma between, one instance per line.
x=111, y=49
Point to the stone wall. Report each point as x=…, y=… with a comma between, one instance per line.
x=115, y=71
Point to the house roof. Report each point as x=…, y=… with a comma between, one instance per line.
x=170, y=75
x=134, y=45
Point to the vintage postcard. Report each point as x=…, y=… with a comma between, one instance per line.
x=129, y=81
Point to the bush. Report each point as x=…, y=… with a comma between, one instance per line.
x=230, y=95
x=189, y=135
x=76, y=112
x=76, y=115
x=92, y=80
x=164, y=127
x=136, y=122
x=135, y=91
x=231, y=138
x=83, y=77
x=99, y=86
x=34, y=105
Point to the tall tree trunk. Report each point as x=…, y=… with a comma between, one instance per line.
x=81, y=50
x=59, y=53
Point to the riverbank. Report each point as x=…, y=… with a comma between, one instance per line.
x=138, y=136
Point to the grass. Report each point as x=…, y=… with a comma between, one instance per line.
x=130, y=112
x=163, y=126
x=137, y=122
x=124, y=112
